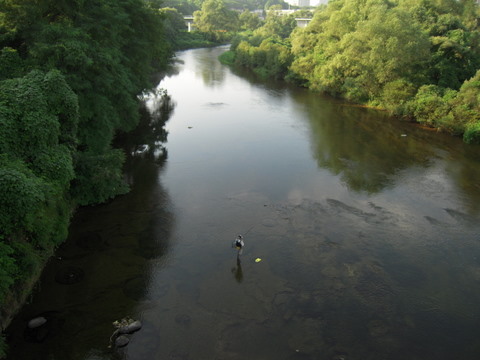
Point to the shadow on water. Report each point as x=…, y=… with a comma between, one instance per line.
x=237, y=271
x=369, y=160
x=102, y=270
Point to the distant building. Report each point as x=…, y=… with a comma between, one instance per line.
x=303, y=22
x=308, y=3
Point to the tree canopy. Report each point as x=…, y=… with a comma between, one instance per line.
x=70, y=76
x=413, y=58
x=216, y=20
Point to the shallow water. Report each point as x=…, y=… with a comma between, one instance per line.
x=367, y=230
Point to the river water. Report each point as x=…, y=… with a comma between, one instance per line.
x=362, y=237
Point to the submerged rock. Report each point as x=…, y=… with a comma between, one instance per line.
x=121, y=341
x=124, y=327
x=130, y=328
x=36, y=322
x=43, y=326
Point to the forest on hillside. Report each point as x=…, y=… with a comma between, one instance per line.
x=419, y=60
x=70, y=76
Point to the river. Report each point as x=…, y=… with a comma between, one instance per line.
x=362, y=237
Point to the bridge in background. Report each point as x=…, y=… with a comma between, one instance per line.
x=189, y=21
x=301, y=22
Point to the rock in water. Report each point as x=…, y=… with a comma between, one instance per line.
x=121, y=341
x=36, y=322
x=130, y=328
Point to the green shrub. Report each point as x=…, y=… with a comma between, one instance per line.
x=472, y=133
x=3, y=347
x=99, y=177
x=227, y=58
x=11, y=65
x=396, y=96
x=191, y=40
x=8, y=270
x=429, y=106
x=21, y=195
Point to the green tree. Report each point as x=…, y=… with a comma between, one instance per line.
x=358, y=49
x=430, y=105
x=277, y=24
x=249, y=20
x=107, y=50
x=453, y=35
x=11, y=65
x=216, y=20
x=413, y=58
x=70, y=76
x=466, y=109
x=173, y=24
x=184, y=7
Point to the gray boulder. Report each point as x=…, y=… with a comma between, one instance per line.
x=36, y=322
x=121, y=341
x=130, y=328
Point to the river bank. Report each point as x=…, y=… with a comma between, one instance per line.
x=331, y=198
x=15, y=300
x=145, y=141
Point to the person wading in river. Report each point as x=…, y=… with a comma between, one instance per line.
x=239, y=244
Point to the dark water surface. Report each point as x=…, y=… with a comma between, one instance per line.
x=367, y=229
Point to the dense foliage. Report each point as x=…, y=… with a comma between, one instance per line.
x=417, y=59
x=188, y=7
x=266, y=49
x=70, y=76
x=216, y=20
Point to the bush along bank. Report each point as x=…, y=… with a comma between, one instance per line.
x=70, y=77
x=418, y=60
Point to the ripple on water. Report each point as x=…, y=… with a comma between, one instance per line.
x=136, y=288
x=183, y=319
x=461, y=217
x=406, y=273
x=373, y=288
x=269, y=223
x=68, y=275
x=142, y=288
x=91, y=241
x=150, y=245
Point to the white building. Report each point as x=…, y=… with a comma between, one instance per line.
x=318, y=2
x=306, y=3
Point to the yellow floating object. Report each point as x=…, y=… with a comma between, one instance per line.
x=258, y=260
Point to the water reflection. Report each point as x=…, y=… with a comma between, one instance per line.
x=149, y=137
x=237, y=271
x=372, y=152
x=368, y=152
x=463, y=167
x=209, y=69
